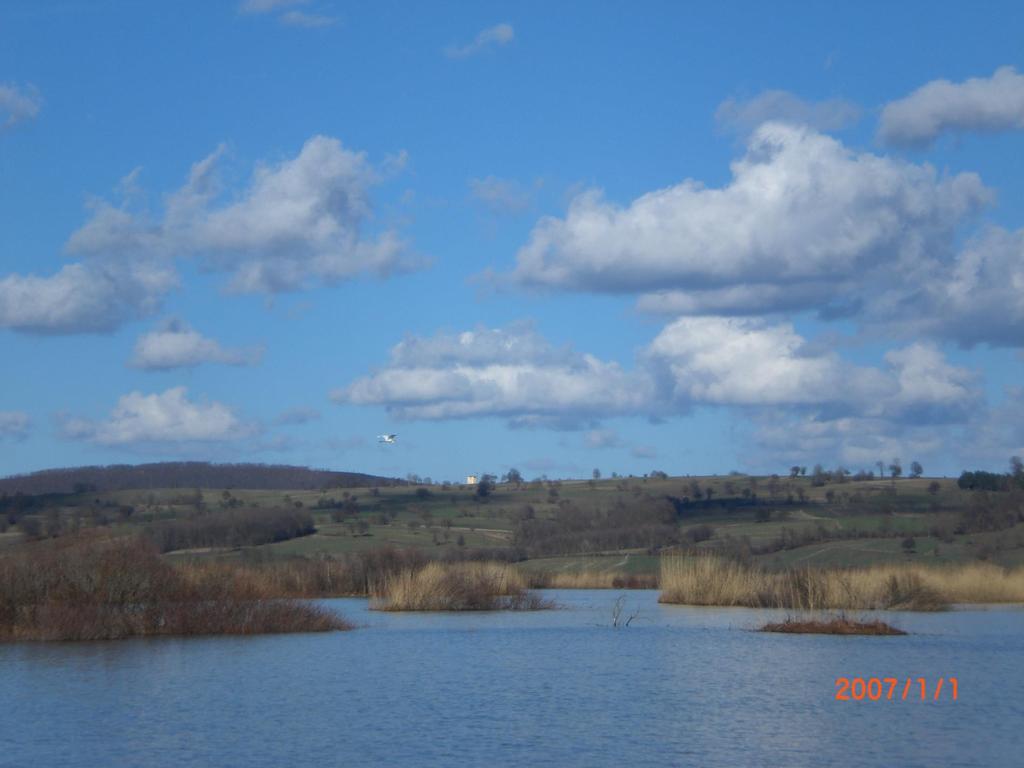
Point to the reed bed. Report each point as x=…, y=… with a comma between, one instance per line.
x=97, y=589
x=709, y=580
x=592, y=580
x=467, y=586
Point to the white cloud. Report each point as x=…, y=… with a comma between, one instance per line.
x=930, y=390
x=511, y=373
x=266, y=6
x=84, y=298
x=979, y=298
x=14, y=425
x=517, y=343
x=299, y=221
x=501, y=195
x=978, y=104
x=727, y=362
x=499, y=34
x=805, y=222
x=926, y=406
x=738, y=361
x=175, y=345
x=745, y=362
x=307, y=20
x=782, y=106
x=167, y=417
x=18, y=104
x=785, y=438
x=737, y=299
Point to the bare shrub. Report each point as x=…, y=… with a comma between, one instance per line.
x=96, y=589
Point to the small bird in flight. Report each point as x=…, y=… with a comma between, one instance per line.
x=386, y=438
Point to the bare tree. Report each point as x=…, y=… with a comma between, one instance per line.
x=617, y=621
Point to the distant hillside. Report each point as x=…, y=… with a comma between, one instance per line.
x=186, y=474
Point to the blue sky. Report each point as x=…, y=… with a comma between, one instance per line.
x=545, y=236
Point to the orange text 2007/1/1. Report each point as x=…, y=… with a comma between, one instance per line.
x=895, y=689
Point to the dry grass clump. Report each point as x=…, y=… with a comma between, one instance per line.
x=977, y=583
x=469, y=586
x=94, y=589
x=705, y=580
x=839, y=625
x=709, y=580
x=592, y=580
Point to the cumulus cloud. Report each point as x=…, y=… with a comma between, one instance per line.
x=726, y=362
x=926, y=405
x=929, y=389
x=978, y=104
x=738, y=361
x=785, y=438
x=90, y=297
x=517, y=343
x=782, y=106
x=18, y=104
x=498, y=35
x=744, y=362
x=756, y=299
x=511, y=373
x=299, y=221
x=13, y=425
x=805, y=222
x=175, y=345
x=501, y=195
x=979, y=298
x=166, y=417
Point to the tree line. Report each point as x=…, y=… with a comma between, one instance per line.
x=979, y=480
x=231, y=528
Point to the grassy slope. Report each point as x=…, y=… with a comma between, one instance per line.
x=398, y=516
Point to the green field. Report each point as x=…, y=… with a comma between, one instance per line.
x=617, y=524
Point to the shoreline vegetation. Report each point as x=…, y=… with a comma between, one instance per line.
x=592, y=580
x=106, y=589
x=837, y=625
x=89, y=587
x=469, y=586
x=709, y=580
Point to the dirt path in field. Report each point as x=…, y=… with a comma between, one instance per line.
x=492, y=533
x=828, y=547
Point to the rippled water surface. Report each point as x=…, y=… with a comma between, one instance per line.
x=679, y=686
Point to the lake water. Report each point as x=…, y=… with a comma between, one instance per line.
x=680, y=686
